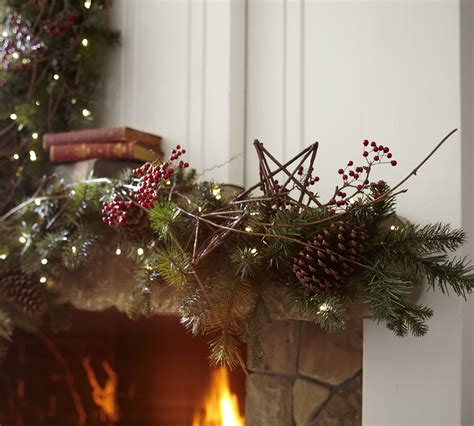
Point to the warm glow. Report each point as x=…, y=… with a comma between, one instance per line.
x=221, y=407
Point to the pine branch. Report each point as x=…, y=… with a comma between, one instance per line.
x=162, y=217
x=172, y=266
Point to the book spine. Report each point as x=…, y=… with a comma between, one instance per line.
x=75, y=152
x=108, y=135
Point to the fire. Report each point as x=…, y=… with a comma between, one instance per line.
x=221, y=406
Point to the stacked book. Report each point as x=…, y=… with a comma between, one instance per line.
x=114, y=143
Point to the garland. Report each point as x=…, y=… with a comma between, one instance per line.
x=51, y=60
x=167, y=230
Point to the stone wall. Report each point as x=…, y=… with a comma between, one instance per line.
x=308, y=377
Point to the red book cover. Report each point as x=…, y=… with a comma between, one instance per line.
x=117, y=151
x=103, y=135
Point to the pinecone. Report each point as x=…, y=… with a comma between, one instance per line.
x=23, y=291
x=137, y=224
x=328, y=267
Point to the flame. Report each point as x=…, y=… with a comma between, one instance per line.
x=221, y=406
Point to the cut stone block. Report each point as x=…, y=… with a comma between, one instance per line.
x=308, y=397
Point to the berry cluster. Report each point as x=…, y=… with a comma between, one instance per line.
x=58, y=27
x=117, y=211
x=152, y=177
x=311, y=180
x=356, y=177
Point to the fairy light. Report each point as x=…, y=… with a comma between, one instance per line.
x=324, y=308
x=74, y=249
x=3, y=256
x=16, y=157
x=15, y=55
x=140, y=251
x=43, y=280
x=35, y=135
x=33, y=156
x=118, y=252
x=216, y=191
x=13, y=116
x=56, y=77
x=86, y=112
x=253, y=251
x=393, y=228
x=44, y=261
x=73, y=192
x=248, y=229
x=73, y=101
x=85, y=42
x=199, y=209
x=37, y=103
x=5, y=34
x=22, y=239
x=88, y=4
x=37, y=201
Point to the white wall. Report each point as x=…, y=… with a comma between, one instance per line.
x=337, y=72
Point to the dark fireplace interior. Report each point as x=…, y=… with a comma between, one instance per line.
x=110, y=369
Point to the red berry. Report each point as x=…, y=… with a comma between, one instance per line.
x=186, y=164
x=376, y=158
x=393, y=163
x=350, y=163
x=373, y=143
x=386, y=149
x=340, y=171
x=389, y=155
x=366, y=142
x=345, y=177
x=359, y=187
x=365, y=154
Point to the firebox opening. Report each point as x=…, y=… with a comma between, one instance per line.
x=149, y=372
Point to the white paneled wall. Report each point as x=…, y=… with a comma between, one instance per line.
x=180, y=73
x=336, y=71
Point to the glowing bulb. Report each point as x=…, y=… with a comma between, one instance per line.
x=22, y=239
x=248, y=229
x=15, y=55
x=140, y=251
x=74, y=249
x=44, y=261
x=87, y=4
x=35, y=135
x=37, y=103
x=3, y=256
x=324, y=308
x=16, y=157
x=218, y=197
x=33, y=156
x=85, y=42
x=43, y=280
x=118, y=252
x=64, y=238
x=253, y=251
x=5, y=34
x=86, y=112
x=73, y=192
x=199, y=209
x=37, y=201
x=13, y=116
x=393, y=227
x=73, y=101
x=56, y=76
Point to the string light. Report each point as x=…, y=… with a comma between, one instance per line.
x=22, y=239
x=13, y=116
x=86, y=112
x=3, y=256
x=73, y=192
x=33, y=156
x=118, y=252
x=140, y=251
x=85, y=42
x=37, y=103
x=253, y=251
x=15, y=55
x=44, y=261
x=37, y=201
x=35, y=135
x=74, y=249
x=393, y=228
x=5, y=34
x=43, y=280
x=56, y=76
x=73, y=101
x=248, y=229
x=324, y=308
x=16, y=157
x=87, y=4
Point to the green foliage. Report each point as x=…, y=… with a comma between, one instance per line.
x=172, y=265
x=162, y=217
